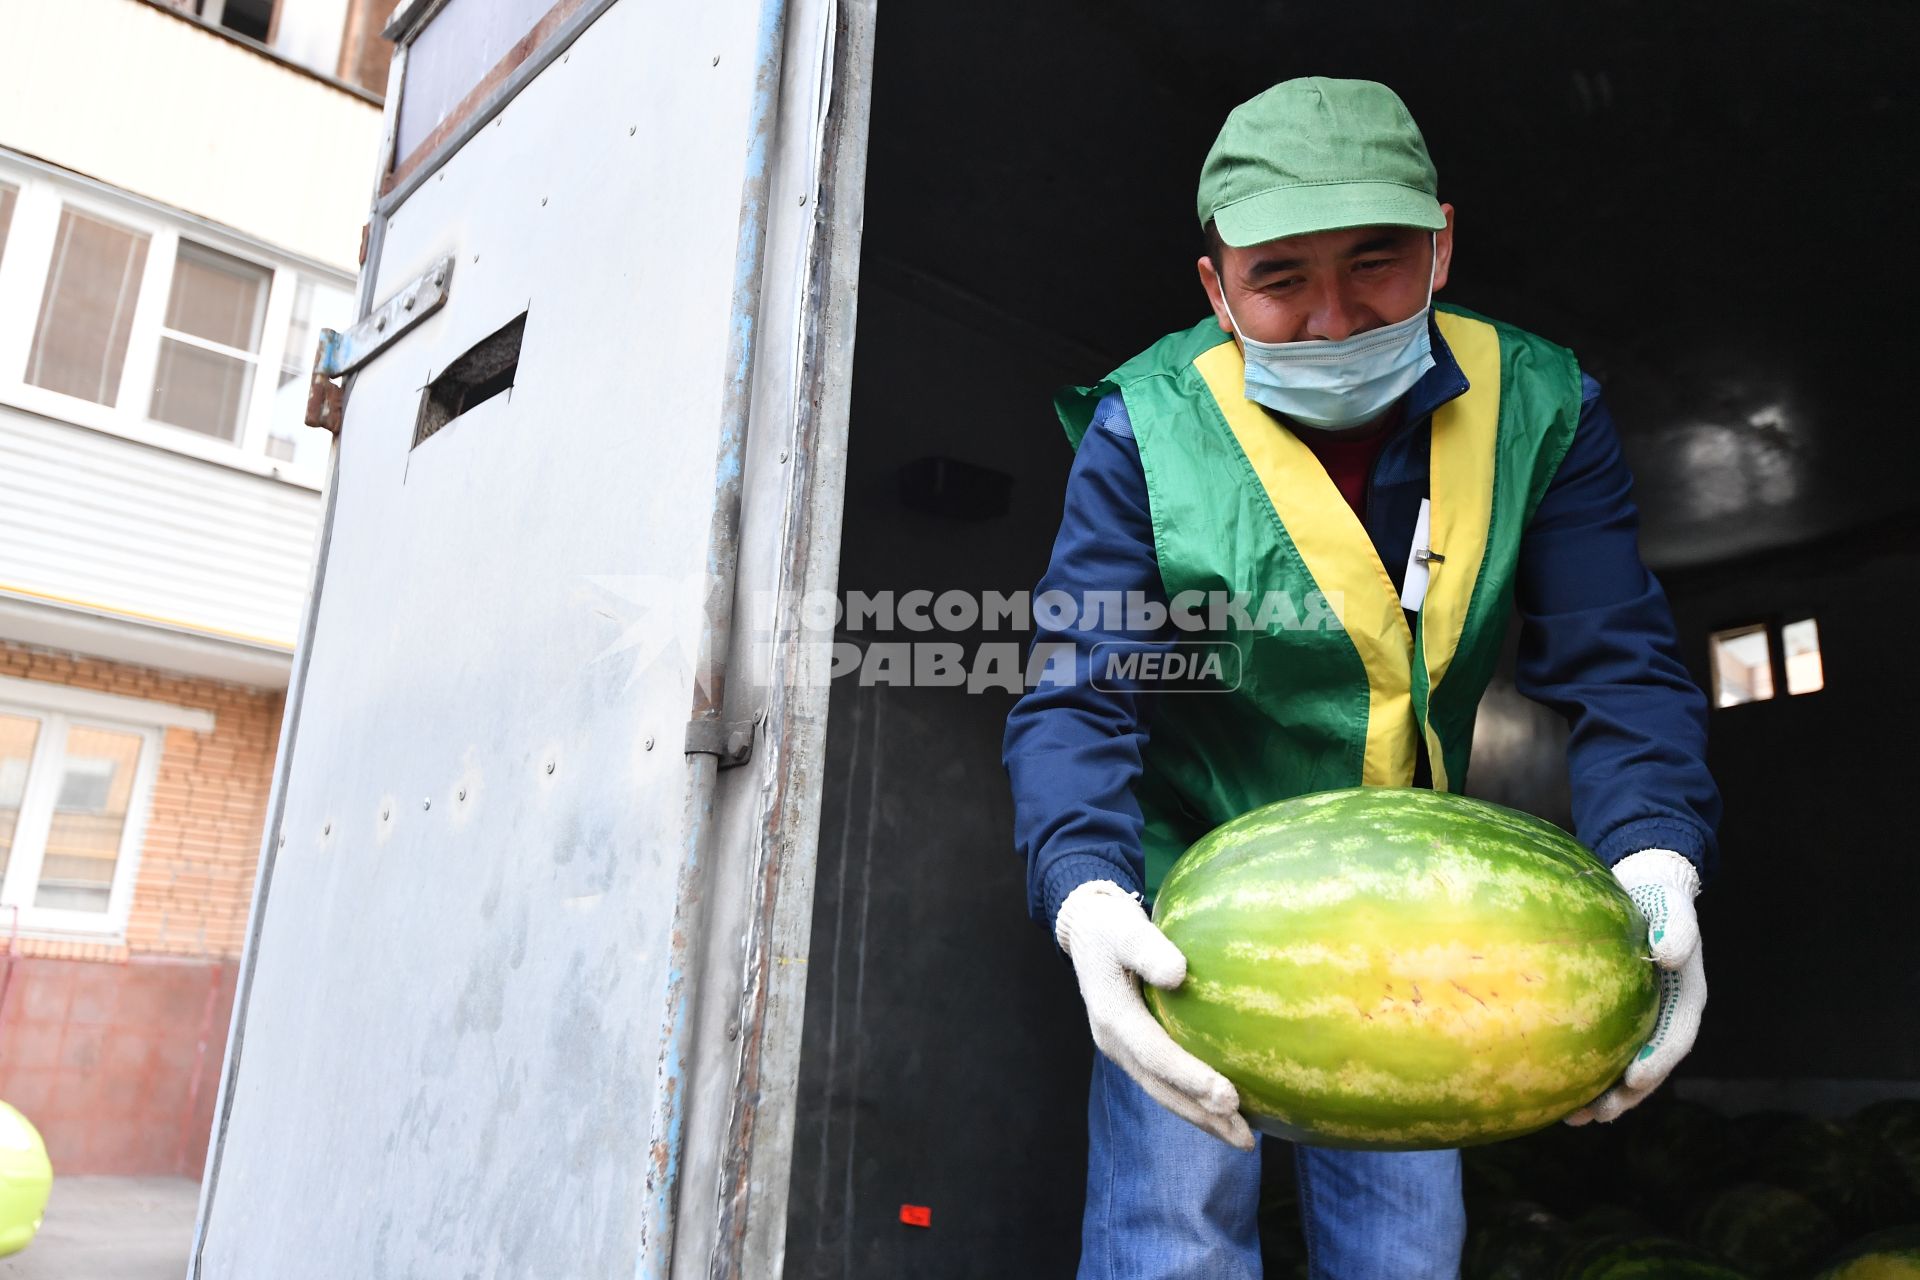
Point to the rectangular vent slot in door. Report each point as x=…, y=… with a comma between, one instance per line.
x=483, y=372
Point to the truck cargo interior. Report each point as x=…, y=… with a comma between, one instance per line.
x=1703, y=202
x=434, y=842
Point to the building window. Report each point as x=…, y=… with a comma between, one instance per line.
x=210, y=341
x=75, y=785
x=148, y=327
x=18, y=734
x=1742, y=666
x=7, y=196
x=91, y=804
x=1800, y=641
x=86, y=310
x=250, y=18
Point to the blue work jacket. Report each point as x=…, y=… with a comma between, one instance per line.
x=1597, y=645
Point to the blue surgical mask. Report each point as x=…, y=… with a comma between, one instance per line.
x=1334, y=385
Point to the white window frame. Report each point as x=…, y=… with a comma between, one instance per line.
x=252, y=415
x=23, y=275
x=59, y=709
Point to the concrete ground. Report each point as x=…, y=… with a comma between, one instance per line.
x=111, y=1229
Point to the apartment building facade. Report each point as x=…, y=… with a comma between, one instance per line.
x=182, y=187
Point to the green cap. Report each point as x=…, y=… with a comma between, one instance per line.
x=1316, y=155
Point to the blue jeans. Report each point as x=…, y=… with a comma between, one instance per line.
x=1167, y=1201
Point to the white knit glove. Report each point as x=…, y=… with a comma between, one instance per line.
x=1662, y=884
x=1106, y=931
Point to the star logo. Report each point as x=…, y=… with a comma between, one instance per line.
x=656, y=615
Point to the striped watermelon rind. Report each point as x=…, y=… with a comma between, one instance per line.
x=1402, y=969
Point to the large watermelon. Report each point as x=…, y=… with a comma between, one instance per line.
x=1398, y=969
x=1844, y=1171
x=1766, y=1231
x=1893, y=1254
x=1894, y=1125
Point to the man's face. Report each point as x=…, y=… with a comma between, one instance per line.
x=1328, y=285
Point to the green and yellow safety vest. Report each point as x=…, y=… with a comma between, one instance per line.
x=1241, y=506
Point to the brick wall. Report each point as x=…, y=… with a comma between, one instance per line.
x=113, y=1049
x=209, y=807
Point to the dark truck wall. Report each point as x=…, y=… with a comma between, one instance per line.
x=1813, y=962
x=946, y=1053
x=1673, y=195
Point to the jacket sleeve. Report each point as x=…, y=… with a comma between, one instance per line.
x=1598, y=645
x=1072, y=750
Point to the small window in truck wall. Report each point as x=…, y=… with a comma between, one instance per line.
x=1800, y=641
x=1742, y=665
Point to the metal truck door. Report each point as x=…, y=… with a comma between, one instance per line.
x=519, y=997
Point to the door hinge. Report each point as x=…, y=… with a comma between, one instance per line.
x=340, y=353
x=731, y=741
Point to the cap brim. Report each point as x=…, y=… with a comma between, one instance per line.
x=1300, y=210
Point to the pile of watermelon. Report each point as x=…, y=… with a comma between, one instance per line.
x=1675, y=1191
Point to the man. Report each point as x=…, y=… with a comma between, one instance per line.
x=1328, y=436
